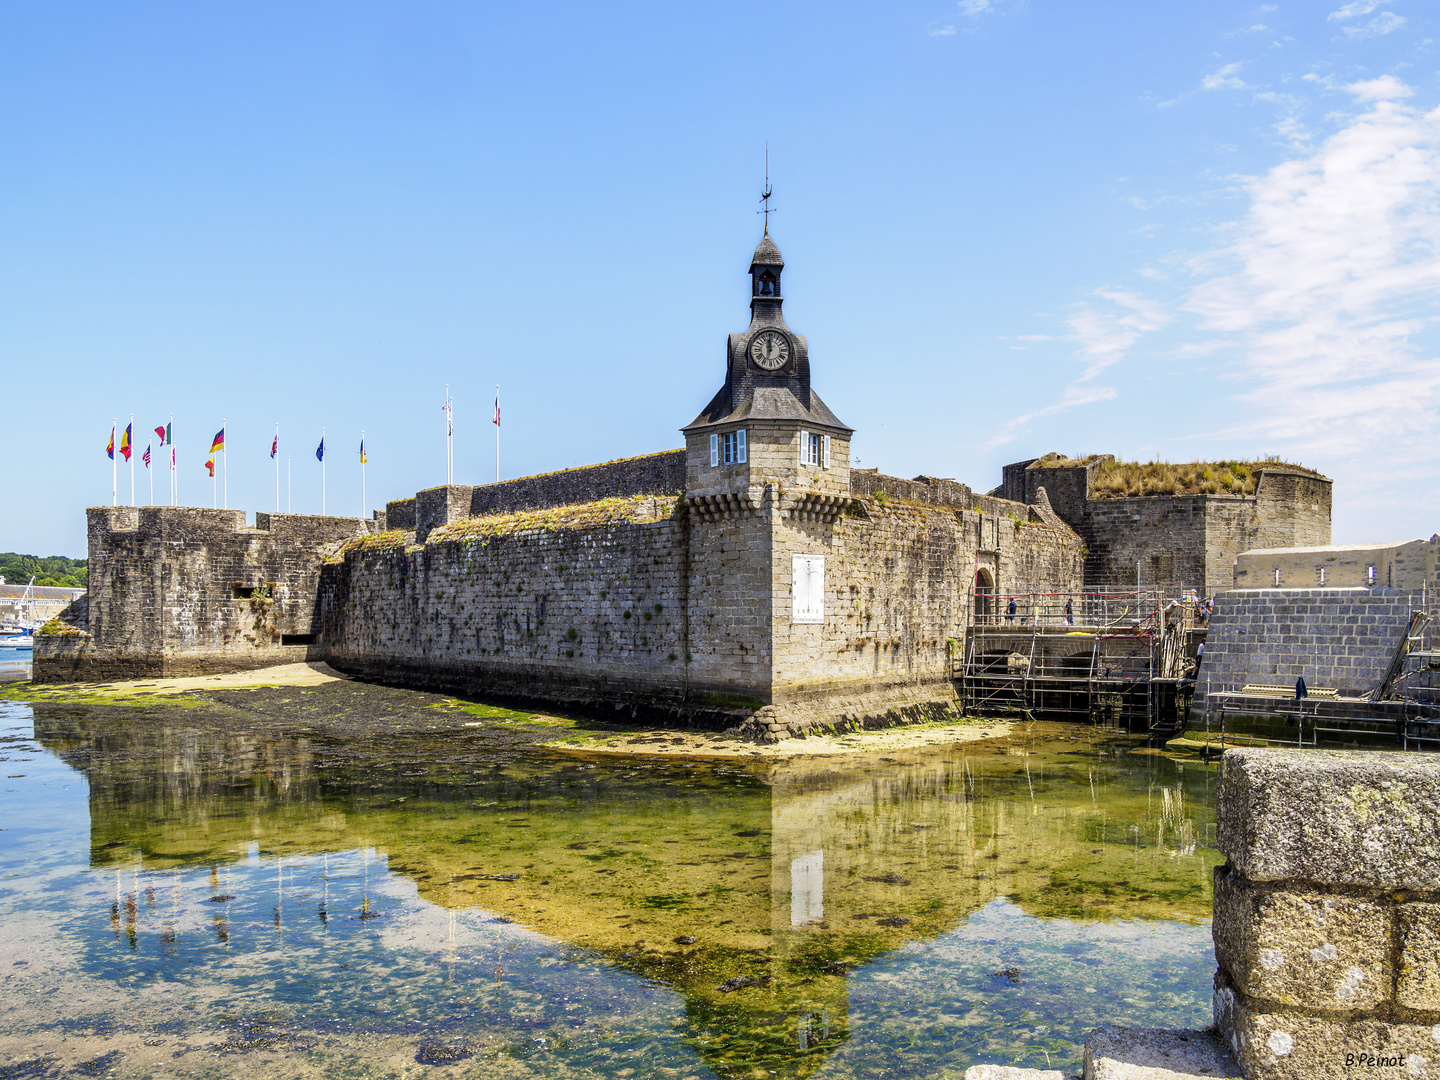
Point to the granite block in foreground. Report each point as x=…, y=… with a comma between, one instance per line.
x=1333, y=817
x=1124, y=1053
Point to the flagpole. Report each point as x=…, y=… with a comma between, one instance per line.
x=150, y=468
x=322, y=472
x=362, y=473
x=170, y=438
x=497, y=433
x=449, y=410
x=287, y=482
x=131, y=432
x=276, y=455
x=225, y=459
x=114, y=468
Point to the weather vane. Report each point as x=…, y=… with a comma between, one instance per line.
x=765, y=198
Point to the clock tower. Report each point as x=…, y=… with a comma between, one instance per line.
x=766, y=430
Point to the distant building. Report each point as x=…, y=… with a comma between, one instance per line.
x=43, y=604
x=1406, y=565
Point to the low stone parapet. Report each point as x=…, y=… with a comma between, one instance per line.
x=1327, y=913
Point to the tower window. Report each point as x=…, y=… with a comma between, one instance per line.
x=767, y=284
x=814, y=449
x=733, y=446
x=1277, y=577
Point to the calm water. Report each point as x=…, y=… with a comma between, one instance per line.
x=212, y=903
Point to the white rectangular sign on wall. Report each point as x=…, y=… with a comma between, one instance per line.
x=808, y=579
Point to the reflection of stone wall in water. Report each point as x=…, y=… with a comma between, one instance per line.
x=627, y=864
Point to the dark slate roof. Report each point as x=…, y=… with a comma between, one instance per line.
x=766, y=253
x=768, y=403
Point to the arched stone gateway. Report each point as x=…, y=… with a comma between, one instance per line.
x=985, y=599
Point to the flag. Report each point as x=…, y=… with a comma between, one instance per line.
x=362, y=451
x=160, y=431
x=496, y=421
x=110, y=450
x=210, y=464
x=218, y=443
x=275, y=446
x=125, y=443
x=169, y=435
x=449, y=418
x=320, y=450
x=145, y=457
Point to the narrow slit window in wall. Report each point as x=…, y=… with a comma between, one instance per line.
x=808, y=588
x=1277, y=577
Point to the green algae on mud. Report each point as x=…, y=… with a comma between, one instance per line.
x=779, y=902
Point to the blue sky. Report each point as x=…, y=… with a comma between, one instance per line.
x=1202, y=230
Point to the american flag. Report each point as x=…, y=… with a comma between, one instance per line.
x=145, y=457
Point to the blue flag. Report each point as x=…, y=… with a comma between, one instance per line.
x=320, y=450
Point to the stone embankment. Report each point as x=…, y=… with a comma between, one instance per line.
x=1327, y=913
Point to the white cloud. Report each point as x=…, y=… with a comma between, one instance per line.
x=1105, y=335
x=941, y=31
x=1073, y=397
x=1332, y=272
x=1035, y=337
x=1354, y=10
x=1385, y=88
x=1381, y=24
x=975, y=7
x=1224, y=79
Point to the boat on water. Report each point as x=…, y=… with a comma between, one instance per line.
x=16, y=639
x=19, y=637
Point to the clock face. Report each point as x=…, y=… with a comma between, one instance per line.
x=770, y=349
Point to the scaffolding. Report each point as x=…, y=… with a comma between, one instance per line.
x=1116, y=657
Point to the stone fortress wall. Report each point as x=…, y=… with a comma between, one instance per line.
x=637, y=600
x=1176, y=541
x=655, y=602
x=1340, y=639
x=188, y=591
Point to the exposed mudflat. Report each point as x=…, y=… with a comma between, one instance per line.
x=291, y=698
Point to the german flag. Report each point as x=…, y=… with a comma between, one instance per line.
x=218, y=443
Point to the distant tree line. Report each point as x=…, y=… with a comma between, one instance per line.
x=52, y=570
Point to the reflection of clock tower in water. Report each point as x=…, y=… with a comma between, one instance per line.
x=766, y=440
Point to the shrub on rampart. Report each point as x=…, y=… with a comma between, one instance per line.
x=1112, y=479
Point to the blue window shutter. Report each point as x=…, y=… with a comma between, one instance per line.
x=714, y=450
x=740, y=446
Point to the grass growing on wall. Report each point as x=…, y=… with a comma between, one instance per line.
x=1112, y=479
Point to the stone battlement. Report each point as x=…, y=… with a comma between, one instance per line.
x=651, y=474
x=1177, y=541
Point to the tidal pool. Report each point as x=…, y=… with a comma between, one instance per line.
x=185, y=893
